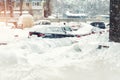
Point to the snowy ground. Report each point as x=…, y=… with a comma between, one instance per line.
x=22, y=58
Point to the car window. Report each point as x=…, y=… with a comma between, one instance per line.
x=55, y=29
x=99, y=24
x=45, y=22
x=93, y=24
x=68, y=29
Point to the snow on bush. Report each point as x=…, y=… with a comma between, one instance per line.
x=25, y=21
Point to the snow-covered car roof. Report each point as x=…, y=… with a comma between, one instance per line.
x=42, y=22
x=84, y=29
x=48, y=29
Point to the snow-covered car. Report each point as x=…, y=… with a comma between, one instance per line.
x=51, y=32
x=74, y=25
x=42, y=22
x=84, y=29
x=100, y=25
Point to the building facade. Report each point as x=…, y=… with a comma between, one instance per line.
x=34, y=7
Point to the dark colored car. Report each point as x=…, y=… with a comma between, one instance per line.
x=51, y=32
x=100, y=25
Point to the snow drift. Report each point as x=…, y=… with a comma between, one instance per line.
x=59, y=59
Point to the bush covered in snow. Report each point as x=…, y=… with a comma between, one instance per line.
x=25, y=21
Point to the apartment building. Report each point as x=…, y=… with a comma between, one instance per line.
x=35, y=7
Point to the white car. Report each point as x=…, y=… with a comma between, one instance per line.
x=42, y=22
x=51, y=31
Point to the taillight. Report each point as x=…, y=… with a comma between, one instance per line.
x=93, y=32
x=30, y=33
x=41, y=35
x=78, y=36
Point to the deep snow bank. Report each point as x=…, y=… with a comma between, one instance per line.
x=19, y=50
x=80, y=61
x=59, y=59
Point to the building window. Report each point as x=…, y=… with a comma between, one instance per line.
x=27, y=4
x=17, y=4
x=35, y=3
x=38, y=3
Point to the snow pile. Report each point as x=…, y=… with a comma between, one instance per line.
x=84, y=29
x=25, y=21
x=92, y=58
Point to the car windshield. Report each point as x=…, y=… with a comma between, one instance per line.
x=97, y=23
x=101, y=23
x=66, y=28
